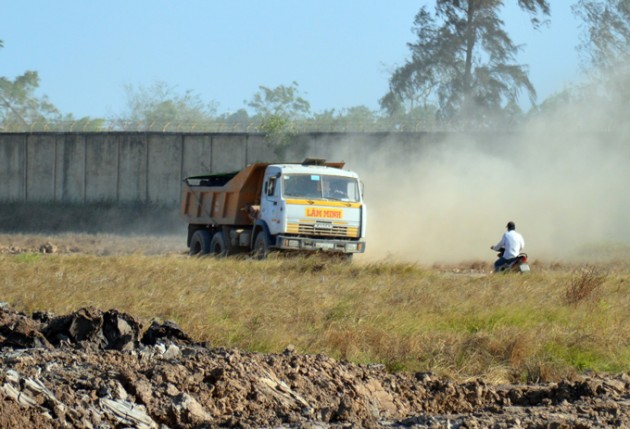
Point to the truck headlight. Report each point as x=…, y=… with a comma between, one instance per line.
x=351, y=247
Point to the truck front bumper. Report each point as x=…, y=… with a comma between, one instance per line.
x=323, y=244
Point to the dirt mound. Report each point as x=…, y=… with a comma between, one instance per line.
x=100, y=369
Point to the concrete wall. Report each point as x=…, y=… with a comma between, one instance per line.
x=13, y=167
x=117, y=167
x=148, y=167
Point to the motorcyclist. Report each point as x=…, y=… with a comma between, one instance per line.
x=511, y=244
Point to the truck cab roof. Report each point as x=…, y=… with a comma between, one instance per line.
x=324, y=170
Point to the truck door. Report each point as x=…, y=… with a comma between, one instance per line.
x=271, y=209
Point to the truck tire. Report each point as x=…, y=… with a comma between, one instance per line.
x=218, y=246
x=200, y=243
x=261, y=246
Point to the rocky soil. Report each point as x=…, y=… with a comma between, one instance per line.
x=102, y=369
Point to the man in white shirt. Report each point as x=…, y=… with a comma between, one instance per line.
x=512, y=244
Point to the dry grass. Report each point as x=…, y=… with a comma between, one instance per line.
x=465, y=324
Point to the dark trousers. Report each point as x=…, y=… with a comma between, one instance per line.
x=502, y=261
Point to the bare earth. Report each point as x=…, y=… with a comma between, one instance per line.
x=102, y=369
x=94, y=244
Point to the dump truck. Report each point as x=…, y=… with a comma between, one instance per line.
x=312, y=206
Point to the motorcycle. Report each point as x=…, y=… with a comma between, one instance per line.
x=516, y=265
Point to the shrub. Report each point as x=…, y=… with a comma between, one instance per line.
x=584, y=284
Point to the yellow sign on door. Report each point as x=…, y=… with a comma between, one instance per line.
x=324, y=213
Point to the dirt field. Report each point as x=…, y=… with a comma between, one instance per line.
x=102, y=369
x=94, y=244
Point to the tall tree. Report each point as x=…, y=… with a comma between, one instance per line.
x=20, y=108
x=276, y=110
x=606, y=43
x=159, y=107
x=284, y=101
x=606, y=47
x=463, y=62
x=233, y=121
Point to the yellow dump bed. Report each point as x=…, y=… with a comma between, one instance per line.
x=210, y=200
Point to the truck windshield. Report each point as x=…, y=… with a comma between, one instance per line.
x=317, y=186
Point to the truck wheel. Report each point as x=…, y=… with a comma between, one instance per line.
x=261, y=246
x=200, y=243
x=218, y=247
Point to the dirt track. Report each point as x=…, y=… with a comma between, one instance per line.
x=102, y=369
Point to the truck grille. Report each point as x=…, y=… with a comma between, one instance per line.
x=312, y=229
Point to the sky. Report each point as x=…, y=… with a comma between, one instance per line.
x=341, y=53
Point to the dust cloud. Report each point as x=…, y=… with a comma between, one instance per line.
x=563, y=179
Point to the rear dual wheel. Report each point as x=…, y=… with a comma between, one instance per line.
x=200, y=243
x=218, y=246
x=203, y=243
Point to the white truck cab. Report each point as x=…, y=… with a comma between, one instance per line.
x=313, y=207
